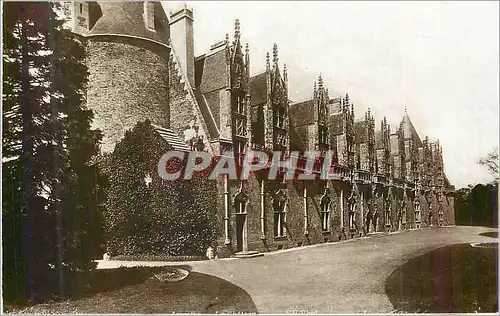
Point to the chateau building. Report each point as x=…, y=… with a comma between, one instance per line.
x=142, y=66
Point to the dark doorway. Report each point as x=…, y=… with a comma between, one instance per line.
x=240, y=224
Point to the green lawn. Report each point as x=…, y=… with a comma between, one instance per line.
x=456, y=278
x=136, y=290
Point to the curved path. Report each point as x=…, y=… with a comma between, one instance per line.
x=330, y=278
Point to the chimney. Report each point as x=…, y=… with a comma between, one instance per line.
x=181, y=36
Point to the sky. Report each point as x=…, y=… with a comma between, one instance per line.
x=439, y=60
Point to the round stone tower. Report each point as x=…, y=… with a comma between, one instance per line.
x=127, y=58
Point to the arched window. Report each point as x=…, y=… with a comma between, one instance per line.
x=325, y=212
x=240, y=103
x=279, y=207
x=149, y=14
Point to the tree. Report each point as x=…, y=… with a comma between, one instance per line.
x=491, y=162
x=477, y=206
x=48, y=145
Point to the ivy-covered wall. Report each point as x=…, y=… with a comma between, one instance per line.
x=145, y=215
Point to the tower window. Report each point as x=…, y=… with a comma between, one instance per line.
x=81, y=8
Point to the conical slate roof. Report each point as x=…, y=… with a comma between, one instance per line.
x=409, y=131
x=126, y=19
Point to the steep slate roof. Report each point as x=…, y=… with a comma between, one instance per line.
x=336, y=123
x=213, y=131
x=409, y=130
x=302, y=113
x=211, y=76
x=335, y=105
x=394, y=144
x=172, y=138
x=126, y=19
x=378, y=140
x=257, y=119
x=210, y=71
x=360, y=132
x=258, y=89
x=299, y=137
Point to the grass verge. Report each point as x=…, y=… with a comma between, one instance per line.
x=457, y=278
x=136, y=290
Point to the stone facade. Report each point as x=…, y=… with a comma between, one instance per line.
x=380, y=180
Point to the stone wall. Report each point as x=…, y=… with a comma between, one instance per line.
x=296, y=234
x=128, y=82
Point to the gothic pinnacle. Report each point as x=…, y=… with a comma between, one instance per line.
x=320, y=82
x=227, y=38
x=275, y=53
x=247, y=55
x=267, y=61
x=236, y=29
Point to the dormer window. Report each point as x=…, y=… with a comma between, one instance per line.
x=322, y=135
x=280, y=118
x=149, y=15
x=280, y=139
x=240, y=104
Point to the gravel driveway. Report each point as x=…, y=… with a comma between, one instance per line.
x=342, y=277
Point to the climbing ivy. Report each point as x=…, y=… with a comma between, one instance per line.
x=145, y=215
